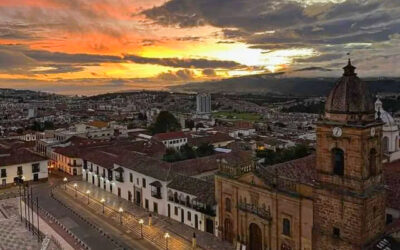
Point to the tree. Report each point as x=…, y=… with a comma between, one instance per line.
x=189, y=124
x=171, y=155
x=165, y=122
x=205, y=149
x=187, y=152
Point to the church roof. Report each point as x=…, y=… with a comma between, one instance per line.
x=300, y=170
x=350, y=95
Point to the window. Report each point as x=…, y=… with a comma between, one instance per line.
x=389, y=218
x=146, y=204
x=144, y=182
x=286, y=227
x=35, y=168
x=155, y=207
x=137, y=181
x=227, y=204
x=176, y=211
x=336, y=232
x=187, y=201
x=131, y=177
x=4, y=172
x=372, y=162
x=189, y=216
x=338, y=161
x=19, y=171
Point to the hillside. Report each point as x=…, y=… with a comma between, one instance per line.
x=282, y=86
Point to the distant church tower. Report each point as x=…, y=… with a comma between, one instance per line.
x=349, y=205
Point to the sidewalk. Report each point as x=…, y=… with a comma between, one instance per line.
x=163, y=224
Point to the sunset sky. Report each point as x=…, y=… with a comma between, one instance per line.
x=95, y=46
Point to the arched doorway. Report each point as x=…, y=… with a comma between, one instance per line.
x=228, y=230
x=255, y=242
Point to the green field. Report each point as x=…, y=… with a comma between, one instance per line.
x=237, y=116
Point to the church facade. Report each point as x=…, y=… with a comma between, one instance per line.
x=333, y=199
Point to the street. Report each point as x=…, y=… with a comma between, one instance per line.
x=78, y=224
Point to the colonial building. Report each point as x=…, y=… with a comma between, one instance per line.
x=390, y=134
x=331, y=200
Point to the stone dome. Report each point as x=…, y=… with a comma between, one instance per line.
x=384, y=115
x=350, y=99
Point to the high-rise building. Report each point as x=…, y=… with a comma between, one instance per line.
x=203, y=103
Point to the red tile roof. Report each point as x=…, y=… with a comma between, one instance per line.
x=300, y=170
x=169, y=136
x=20, y=156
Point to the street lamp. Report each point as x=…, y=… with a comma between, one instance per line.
x=102, y=202
x=88, y=193
x=75, y=186
x=120, y=210
x=65, y=181
x=166, y=236
x=141, y=228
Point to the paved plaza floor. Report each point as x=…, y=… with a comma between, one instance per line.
x=13, y=234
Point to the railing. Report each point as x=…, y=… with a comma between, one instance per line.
x=234, y=171
x=156, y=194
x=259, y=211
x=119, y=178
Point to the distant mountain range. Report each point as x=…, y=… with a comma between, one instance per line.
x=267, y=84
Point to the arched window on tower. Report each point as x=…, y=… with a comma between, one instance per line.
x=372, y=162
x=338, y=161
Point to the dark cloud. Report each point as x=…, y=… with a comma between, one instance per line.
x=59, y=57
x=179, y=75
x=250, y=15
x=294, y=25
x=209, y=72
x=313, y=69
x=183, y=63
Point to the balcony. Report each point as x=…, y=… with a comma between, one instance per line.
x=259, y=211
x=119, y=178
x=156, y=194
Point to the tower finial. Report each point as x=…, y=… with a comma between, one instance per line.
x=349, y=70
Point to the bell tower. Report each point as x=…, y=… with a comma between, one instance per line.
x=349, y=197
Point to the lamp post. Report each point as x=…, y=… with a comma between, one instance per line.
x=102, y=202
x=75, y=186
x=120, y=210
x=166, y=236
x=65, y=182
x=141, y=228
x=88, y=193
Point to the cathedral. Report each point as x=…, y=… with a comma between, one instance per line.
x=334, y=199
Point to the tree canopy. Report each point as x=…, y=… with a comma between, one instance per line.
x=165, y=122
x=271, y=157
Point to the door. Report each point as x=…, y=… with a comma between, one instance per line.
x=209, y=226
x=228, y=230
x=35, y=177
x=196, y=221
x=129, y=196
x=182, y=216
x=119, y=192
x=169, y=210
x=98, y=180
x=255, y=237
x=138, y=198
x=3, y=182
x=75, y=171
